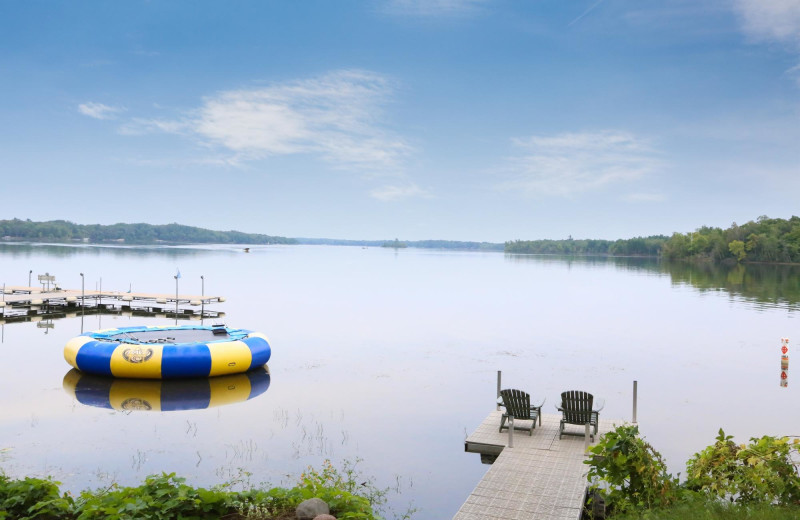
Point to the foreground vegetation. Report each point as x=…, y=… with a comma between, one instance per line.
x=166, y=496
x=64, y=231
x=759, y=480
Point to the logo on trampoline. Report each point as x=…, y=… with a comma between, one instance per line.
x=136, y=404
x=137, y=355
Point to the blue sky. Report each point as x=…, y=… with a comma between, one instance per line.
x=450, y=119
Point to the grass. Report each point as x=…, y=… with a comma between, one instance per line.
x=702, y=510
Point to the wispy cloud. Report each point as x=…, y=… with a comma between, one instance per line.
x=571, y=163
x=391, y=193
x=433, y=8
x=771, y=20
x=337, y=116
x=99, y=110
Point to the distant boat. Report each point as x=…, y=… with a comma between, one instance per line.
x=246, y=249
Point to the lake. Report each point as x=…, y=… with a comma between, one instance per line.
x=391, y=356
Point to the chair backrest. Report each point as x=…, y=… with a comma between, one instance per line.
x=517, y=403
x=577, y=406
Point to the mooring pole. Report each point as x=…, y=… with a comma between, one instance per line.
x=510, y=431
x=635, y=390
x=176, y=299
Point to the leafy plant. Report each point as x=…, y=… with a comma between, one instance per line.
x=629, y=473
x=161, y=497
x=32, y=498
x=338, y=489
x=761, y=472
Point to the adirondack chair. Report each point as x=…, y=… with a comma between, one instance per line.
x=518, y=406
x=576, y=407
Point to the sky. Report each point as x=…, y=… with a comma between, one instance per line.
x=483, y=120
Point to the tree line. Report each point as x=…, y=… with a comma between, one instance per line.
x=773, y=240
x=65, y=231
x=639, y=246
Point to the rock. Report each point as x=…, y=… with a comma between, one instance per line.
x=324, y=517
x=312, y=508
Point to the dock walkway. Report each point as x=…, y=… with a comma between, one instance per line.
x=540, y=477
x=20, y=303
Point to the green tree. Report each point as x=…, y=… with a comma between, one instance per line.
x=737, y=248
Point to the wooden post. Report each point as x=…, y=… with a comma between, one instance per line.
x=510, y=431
x=497, y=399
x=635, y=390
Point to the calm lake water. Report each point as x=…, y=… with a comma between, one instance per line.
x=391, y=357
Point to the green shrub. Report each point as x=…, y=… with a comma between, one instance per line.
x=761, y=472
x=161, y=497
x=32, y=498
x=629, y=473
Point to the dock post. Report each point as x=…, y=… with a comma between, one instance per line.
x=635, y=391
x=510, y=431
x=587, y=430
x=499, y=377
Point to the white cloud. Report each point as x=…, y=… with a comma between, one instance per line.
x=433, y=8
x=572, y=163
x=98, y=110
x=771, y=20
x=390, y=193
x=336, y=116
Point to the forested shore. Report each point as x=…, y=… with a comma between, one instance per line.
x=64, y=231
x=772, y=240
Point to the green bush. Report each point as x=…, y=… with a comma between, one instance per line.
x=167, y=497
x=32, y=498
x=761, y=472
x=629, y=473
x=161, y=497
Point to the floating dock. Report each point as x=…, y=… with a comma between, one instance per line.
x=541, y=477
x=19, y=303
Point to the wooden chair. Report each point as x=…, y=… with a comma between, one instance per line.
x=518, y=406
x=576, y=407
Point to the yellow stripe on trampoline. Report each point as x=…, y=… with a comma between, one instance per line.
x=138, y=361
x=72, y=347
x=228, y=357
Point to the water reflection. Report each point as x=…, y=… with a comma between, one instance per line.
x=765, y=285
x=128, y=395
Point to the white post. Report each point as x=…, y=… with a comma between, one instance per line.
x=587, y=430
x=635, y=391
x=498, y=389
x=176, y=299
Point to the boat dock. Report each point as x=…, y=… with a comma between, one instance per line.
x=19, y=303
x=540, y=477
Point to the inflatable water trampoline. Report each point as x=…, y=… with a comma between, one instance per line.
x=167, y=352
x=148, y=395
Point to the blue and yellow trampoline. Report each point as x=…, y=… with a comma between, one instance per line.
x=167, y=352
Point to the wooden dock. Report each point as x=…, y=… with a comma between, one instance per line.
x=540, y=477
x=32, y=301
